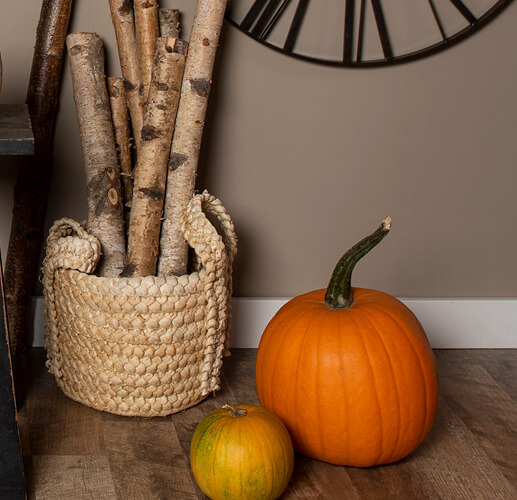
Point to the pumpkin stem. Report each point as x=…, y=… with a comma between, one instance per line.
x=339, y=290
x=234, y=411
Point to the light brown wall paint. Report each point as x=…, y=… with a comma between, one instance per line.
x=309, y=158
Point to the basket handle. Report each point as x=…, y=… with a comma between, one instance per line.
x=202, y=236
x=216, y=253
x=70, y=246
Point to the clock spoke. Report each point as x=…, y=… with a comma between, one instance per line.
x=266, y=21
x=360, y=37
x=271, y=20
x=252, y=14
x=437, y=19
x=382, y=29
x=465, y=11
x=294, y=29
x=349, y=31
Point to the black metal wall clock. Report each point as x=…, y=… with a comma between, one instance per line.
x=361, y=32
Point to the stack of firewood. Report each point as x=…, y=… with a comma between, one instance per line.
x=141, y=133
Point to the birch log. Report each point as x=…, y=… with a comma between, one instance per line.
x=105, y=217
x=124, y=24
x=31, y=188
x=120, y=116
x=186, y=142
x=147, y=30
x=170, y=22
x=151, y=168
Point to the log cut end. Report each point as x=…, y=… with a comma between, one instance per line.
x=178, y=45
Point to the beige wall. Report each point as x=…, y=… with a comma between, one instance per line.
x=310, y=158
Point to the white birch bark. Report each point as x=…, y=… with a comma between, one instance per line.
x=105, y=216
x=124, y=25
x=120, y=116
x=186, y=142
x=147, y=31
x=151, y=169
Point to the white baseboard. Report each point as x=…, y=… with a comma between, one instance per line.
x=449, y=323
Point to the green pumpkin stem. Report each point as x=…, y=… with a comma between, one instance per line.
x=233, y=411
x=339, y=290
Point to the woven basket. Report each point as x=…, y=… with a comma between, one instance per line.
x=139, y=346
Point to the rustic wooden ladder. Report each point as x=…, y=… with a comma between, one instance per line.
x=16, y=138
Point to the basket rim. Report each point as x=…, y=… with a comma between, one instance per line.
x=77, y=276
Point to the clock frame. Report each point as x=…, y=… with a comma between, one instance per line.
x=262, y=16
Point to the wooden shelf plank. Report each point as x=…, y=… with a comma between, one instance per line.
x=16, y=136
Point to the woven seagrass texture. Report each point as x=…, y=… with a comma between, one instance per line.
x=147, y=346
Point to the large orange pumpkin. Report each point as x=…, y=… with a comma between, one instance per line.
x=349, y=371
x=241, y=452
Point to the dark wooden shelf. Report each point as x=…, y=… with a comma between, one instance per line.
x=15, y=130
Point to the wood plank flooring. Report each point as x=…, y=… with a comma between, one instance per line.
x=74, y=452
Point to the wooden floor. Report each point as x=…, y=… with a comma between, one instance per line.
x=73, y=452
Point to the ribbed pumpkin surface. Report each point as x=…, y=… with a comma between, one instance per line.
x=242, y=457
x=353, y=386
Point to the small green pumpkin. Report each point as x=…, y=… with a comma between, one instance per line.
x=241, y=452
